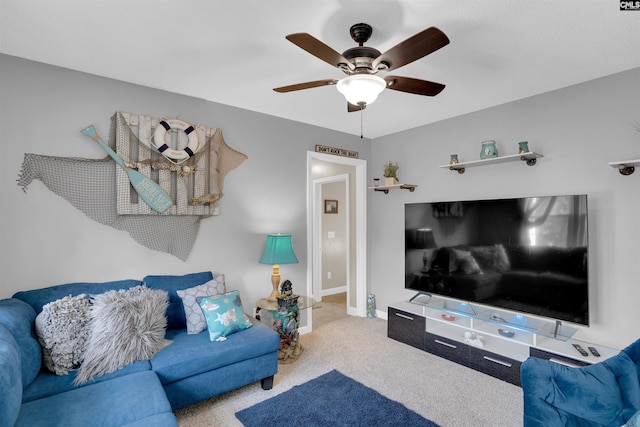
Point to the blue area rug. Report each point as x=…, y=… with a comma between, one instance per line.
x=332, y=399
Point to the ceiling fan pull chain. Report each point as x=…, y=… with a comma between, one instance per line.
x=361, y=120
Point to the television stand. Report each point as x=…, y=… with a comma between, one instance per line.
x=490, y=340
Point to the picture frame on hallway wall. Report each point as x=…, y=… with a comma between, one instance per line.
x=331, y=206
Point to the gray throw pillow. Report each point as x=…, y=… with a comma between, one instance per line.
x=196, y=322
x=63, y=329
x=126, y=325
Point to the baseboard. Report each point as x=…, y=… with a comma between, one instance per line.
x=333, y=291
x=382, y=314
x=304, y=330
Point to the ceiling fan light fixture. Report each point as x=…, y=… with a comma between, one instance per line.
x=361, y=89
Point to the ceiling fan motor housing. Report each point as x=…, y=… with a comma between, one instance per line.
x=361, y=57
x=360, y=33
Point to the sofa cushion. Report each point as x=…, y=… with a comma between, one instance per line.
x=121, y=401
x=224, y=315
x=166, y=419
x=196, y=322
x=18, y=317
x=63, y=329
x=39, y=297
x=126, y=325
x=10, y=378
x=47, y=383
x=175, y=312
x=204, y=355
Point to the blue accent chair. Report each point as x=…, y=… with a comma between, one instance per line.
x=603, y=394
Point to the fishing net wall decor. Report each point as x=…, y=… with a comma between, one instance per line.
x=102, y=191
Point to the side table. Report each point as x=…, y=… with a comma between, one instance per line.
x=285, y=323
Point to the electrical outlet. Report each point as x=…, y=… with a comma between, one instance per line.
x=328, y=275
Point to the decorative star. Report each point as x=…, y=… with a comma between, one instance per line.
x=227, y=317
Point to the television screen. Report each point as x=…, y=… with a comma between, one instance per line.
x=528, y=255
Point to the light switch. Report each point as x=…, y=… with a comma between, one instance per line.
x=331, y=235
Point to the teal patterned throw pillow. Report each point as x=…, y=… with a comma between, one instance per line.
x=224, y=315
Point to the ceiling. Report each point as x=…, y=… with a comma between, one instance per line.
x=234, y=51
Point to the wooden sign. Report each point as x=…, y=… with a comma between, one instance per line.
x=336, y=151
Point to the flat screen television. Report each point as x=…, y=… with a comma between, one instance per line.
x=528, y=255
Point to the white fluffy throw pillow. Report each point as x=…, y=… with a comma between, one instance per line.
x=63, y=329
x=126, y=325
x=196, y=322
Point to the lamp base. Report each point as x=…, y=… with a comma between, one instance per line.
x=275, y=282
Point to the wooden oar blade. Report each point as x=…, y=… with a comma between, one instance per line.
x=151, y=193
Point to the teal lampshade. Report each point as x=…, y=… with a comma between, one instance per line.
x=278, y=250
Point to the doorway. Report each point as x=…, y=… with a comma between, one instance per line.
x=325, y=166
x=332, y=237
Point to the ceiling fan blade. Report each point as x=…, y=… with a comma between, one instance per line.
x=413, y=48
x=411, y=85
x=306, y=85
x=352, y=108
x=319, y=50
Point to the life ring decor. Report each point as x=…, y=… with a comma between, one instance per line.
x=179, y=155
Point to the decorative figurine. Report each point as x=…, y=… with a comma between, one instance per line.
x=371, y=305
x=286, y=288
x=523, y=147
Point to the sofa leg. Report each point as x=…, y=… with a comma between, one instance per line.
x=267, y=383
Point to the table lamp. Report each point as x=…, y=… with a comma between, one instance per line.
x=277, y=250
x=423, y=239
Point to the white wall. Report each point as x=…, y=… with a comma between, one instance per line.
x=45, y=241
x=579, y=130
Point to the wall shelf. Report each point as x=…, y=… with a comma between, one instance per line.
x=626, y=167
x=530, y=157
x=385, y=188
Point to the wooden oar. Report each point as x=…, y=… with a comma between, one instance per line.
x=150, y=192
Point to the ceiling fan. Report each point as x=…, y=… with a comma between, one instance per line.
x=361, y=64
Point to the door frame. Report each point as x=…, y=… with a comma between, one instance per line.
x=360, y=228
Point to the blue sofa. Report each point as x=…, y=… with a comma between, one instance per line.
x=603, y=394
x=144, y=393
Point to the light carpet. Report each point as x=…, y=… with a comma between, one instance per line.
x=334, y=400
x=449, y=394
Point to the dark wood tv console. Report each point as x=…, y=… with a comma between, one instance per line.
x=439, y=325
